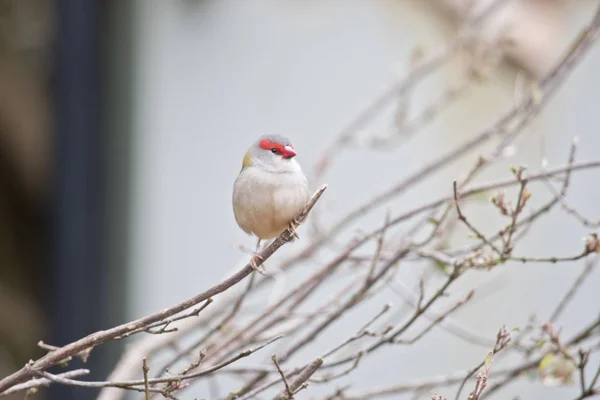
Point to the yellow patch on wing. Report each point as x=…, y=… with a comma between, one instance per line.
x=247, y=161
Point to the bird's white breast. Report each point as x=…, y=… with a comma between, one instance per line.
x=265, y=202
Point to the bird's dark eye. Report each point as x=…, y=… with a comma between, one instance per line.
x=274, y=150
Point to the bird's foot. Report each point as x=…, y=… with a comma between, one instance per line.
x=256, y=258
x=292, y=228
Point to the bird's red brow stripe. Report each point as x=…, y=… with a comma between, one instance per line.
x=268, y=145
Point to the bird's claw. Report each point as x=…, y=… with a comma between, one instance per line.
x=292, y=228
x=253, y=263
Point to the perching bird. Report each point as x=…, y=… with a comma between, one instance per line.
x=270, y=190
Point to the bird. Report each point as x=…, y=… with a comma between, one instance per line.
x=269, y=191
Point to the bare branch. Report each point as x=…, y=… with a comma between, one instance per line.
x=145, y=370
x=300, y=380
x=43, y=382
x=100, y=337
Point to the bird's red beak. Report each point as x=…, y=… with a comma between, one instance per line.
x=288, y=152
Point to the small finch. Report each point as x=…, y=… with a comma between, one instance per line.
x=270, y=190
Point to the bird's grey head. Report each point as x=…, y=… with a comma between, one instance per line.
x=274, y=153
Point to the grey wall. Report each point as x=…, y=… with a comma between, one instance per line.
x=211, y=76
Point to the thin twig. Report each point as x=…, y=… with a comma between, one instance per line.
x=502, y=340
x=436, y=321
x=43, y=382
x=289, y=391
x=139, y=385
x=300, y=379
x=464, y=220
x=145, y=370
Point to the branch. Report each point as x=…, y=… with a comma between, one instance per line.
x=464, y=219
x=43, y=382
x=485, y=187
x=145, y=370
x=300, y=380
x=288, y=390
x=90, y=341
x=142, y=385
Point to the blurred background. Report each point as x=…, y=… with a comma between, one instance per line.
x=123, y=124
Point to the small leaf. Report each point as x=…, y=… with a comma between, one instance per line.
x=440, y=265
x=546, y=362
x=433, y=221
x=488, y=362
x=481, y=195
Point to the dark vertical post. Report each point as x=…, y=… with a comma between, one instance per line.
x=78, y=232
